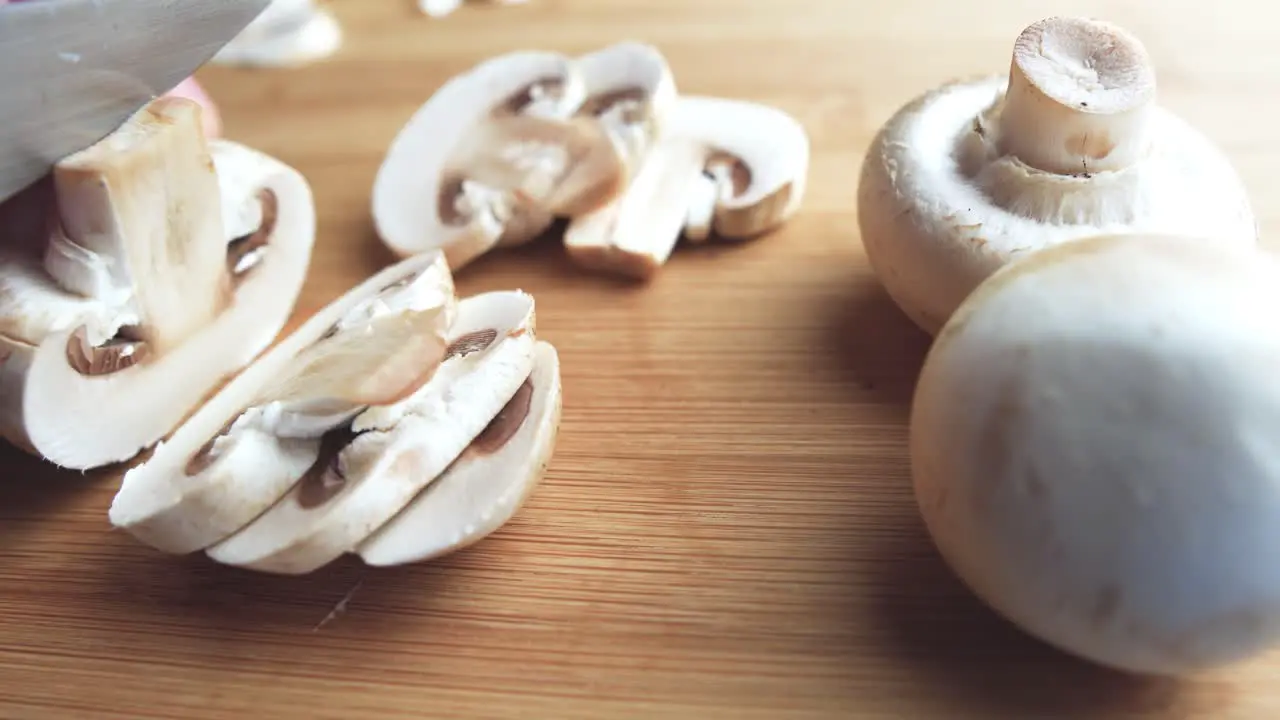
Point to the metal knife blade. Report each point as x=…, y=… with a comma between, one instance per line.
x=72, y=71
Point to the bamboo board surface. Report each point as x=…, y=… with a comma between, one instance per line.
x=727, y=529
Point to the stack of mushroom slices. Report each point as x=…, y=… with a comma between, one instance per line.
x=150, y=267
x=603, y=141
x=398, y=423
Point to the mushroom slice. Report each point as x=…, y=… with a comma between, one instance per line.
x=442, y=8
x=142, y=298
x=1070, y=144
x=486, y=485
x=243, y=450
x=423, y=195
x=289, y=33
x=391, y=452
x=630, y=90
x=734, y=167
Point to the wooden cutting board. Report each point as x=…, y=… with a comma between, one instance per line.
x=727, y=529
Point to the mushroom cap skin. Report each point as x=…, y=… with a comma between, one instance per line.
x=409, y=187
x=198, y=487
x=758, y=161
x=397, y=449
x=288, y=33
x=84, y=421
x=940, y=208
x=1094, y=453
x=485, y=486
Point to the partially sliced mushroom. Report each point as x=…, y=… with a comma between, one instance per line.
x=736, y=168
x=142, y=298
x=289, y=33
x=487, y=484
x=390, y=453
x=1070, y=144
x=423, y=196
x=246, y=447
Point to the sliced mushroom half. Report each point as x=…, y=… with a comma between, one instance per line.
x=288, y=33
x=390, y=453
x=245, y=448
x=170, y=262
x=486, y=485
x=423, y=195
x=736, y=168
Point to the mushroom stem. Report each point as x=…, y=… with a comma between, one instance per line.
x=146, y=198
x=1079, y=98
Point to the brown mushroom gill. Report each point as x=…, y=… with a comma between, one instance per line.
x=121, y=352
x=631, y=100
x=548, y=88
x=206, y=455
x=325, y=479
x=506, y=423
x=244, y=253
x=472, y=342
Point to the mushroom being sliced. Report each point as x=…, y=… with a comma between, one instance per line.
x=140, y=297
x=288, y=33
x=389, y=453
x=1069, y=144
x=487, y=484
x=506, y=112
x=732, y=167
x=246, y=447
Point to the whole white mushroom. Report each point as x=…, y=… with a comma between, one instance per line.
x=1070, y=143
x=1095, y=445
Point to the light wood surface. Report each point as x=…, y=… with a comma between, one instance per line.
x=727, y=529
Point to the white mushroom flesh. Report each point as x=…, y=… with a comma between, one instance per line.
x=393, y=451
x=969, y=175
x=289, y=33
x=241, y=451
x=487, y=484
x=1094, y=450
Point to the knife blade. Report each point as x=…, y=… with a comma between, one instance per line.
x=72, y=71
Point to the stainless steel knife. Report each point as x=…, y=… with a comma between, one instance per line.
x=72, y=71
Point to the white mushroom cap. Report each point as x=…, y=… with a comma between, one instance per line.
x=416, y=205
x=243, y=450
x=969, y=175
x=1094, y=449
x=397, y=450
x=289, y=33
x=156, y=306
x=731, y=166
x=487, y=484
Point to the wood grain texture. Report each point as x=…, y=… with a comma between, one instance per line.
x=726, y=530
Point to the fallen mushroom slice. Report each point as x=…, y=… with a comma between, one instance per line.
x=243, y=450
x=487, y=484
x=1069, y=144
x=391, y=452
x=442, y=8
x=754, y=157
x=423, y=196
x=139, y=300
x=288, y=33
x=631, y=90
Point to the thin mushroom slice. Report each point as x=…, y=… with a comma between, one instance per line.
x=289, y=33
x=423, y=198
x=141, y=297
x=390, y=453
x=443, y=8
x=1071, y=143
x=734, y=168
x=487, y=484
x=631, y=91
x=243, y=450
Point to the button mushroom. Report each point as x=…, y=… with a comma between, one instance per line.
x=288, y=33
x=256, y=438
x=1071, y=143
x=734, y=167
x=392, y=451
x=168, y=262
x=1094, y=450
x=487, y=484
x=523, y=138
